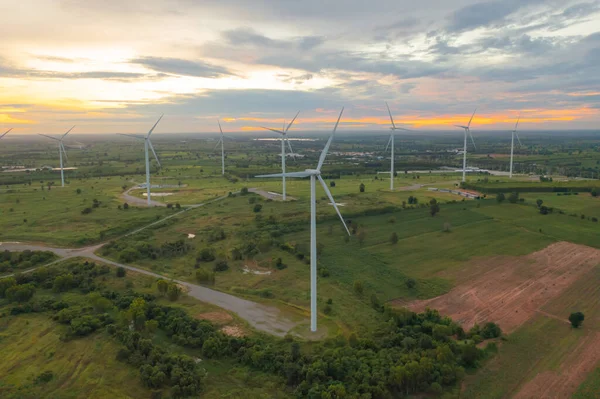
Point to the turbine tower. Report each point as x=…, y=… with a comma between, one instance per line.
x=512, y=145
x=5, y=133
x=315, y=174
x=222, y=149
x=61, y=151
x=467, y=132
x=391, y=141
x=284, y=138
x=147, y=144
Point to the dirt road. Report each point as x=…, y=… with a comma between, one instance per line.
x=262, y=317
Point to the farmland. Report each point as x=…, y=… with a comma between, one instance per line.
x=476, y=261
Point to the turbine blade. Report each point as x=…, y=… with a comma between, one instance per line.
x=219, y=122
x=401, y=128
x=326, y=149
x=461, y=126
x=135, y=136
x=389, y=112
x=517, y=124
x=291, y=174
x=389, y=142
x=154, y=152
x=289, y=145
x=151, y=130
x=50, y=137
x=469, y=125
x=218, y=142
x=5, y=133
x=273, y=130
x=520, y=144
x=333, y=202
x=472, y=140
x=292, y=122
x=68, y=131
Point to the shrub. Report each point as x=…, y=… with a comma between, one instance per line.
x=205, y=276
x=491, y=330
x=500, y=197
x=279, y=264
x=86, y=211
x=257, y=208
x=47, y=375
x=206, y=255
x=332, y=184
x=410, y=283
x=394, y=238
x=173, y=292
x=513, y=198
x=244, y=191
x=576, y=319
x=20, y=293
x=327, y=309
x=126, y=206
x=358, y=287
x=324, y=272
x=121, y=271
x=361, y=187
x=221, y=266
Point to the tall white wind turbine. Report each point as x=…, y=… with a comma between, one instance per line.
x=467, y=132
x=61, y=151
x=284, y=138
x=315, y=174
x=512, y=145
x=147, y=144
x=391, y=141
x=5, y=133
x=222, y=149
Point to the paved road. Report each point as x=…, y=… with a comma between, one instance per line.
x=262, y=317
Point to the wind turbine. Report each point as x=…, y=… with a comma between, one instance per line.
x=222, y=149
x=467, y=132
x=512, y=145
x=284, y=138
x=61, y=151
x=5, y=133
x=315, y=174
x=147, y=144
x=391, y=141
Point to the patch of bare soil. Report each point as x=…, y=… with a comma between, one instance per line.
x=573, y=371
x=218, y=318
x=511, y=290
x=233, y=331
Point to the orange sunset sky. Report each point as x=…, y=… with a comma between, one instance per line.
x=114, y=66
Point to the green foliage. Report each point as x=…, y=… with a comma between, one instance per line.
x=361, y=188
x=513, y=198
x=358, y=287
x=121, y=271
x=257, y=208
x=410, y=283
x=173, y=292
x=594, y=192
x=244, y=191
x=576, y=319
x=63, y=283
x=205, y=276
x=434, y=207
x=206, y=255
x=332, y=183
x=394, y=238
x=491, y=330
x=221, y=266
x=44, y=377
x=500, y=197
x=539, y=203
x=20, y=293
x=5, y=284
x=162, y=286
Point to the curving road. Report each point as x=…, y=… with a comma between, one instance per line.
x=262, y=317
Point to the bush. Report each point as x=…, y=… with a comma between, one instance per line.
x=47, y=375
x=332, y=184
x=394, y=238
x=324, y=272
x=121, y=271
x=205, y=276
x=279, y=264
x=576, y=319
x=173, y=292
x=594, y=193
x=244, y=191
x=410, y=283
x=86, y=211
x=327, y=309
x=206, y=255
x=257, y=208
x=221, y=266
x=500, y=197
x=361, y=187
x=491, y=330
x=358, y=287
x=20, y=293
x=126, y=206
x=513, y=198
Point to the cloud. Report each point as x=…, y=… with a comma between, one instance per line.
x=178, y=66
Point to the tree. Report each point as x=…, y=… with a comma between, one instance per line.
x=491, y=330
x=434, y=207
x=513, y=198
x=358, y=287
x=411, y=283
x=136, y=313
x=126, y=206
x=206, y=255
x=544, y=210
x=394, y=238
x=539, y=203
x=20, y=293
x=361, y=187
x=78, y=191
x=332, y=184
x=257, y=208
x=221, y=266
x=594, y=193
x=576, y=319
x=173, y=292
x=63, y=283
x=99, y=303
x=500, y=197
x=5, y=284
x=244, y=191
x=121, y=271
x=162, y=286
x=205, y=276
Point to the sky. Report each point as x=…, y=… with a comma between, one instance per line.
x=114, y=66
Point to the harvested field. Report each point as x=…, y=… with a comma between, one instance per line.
x=218, y=318
x=511, y=290
x=564, y=382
